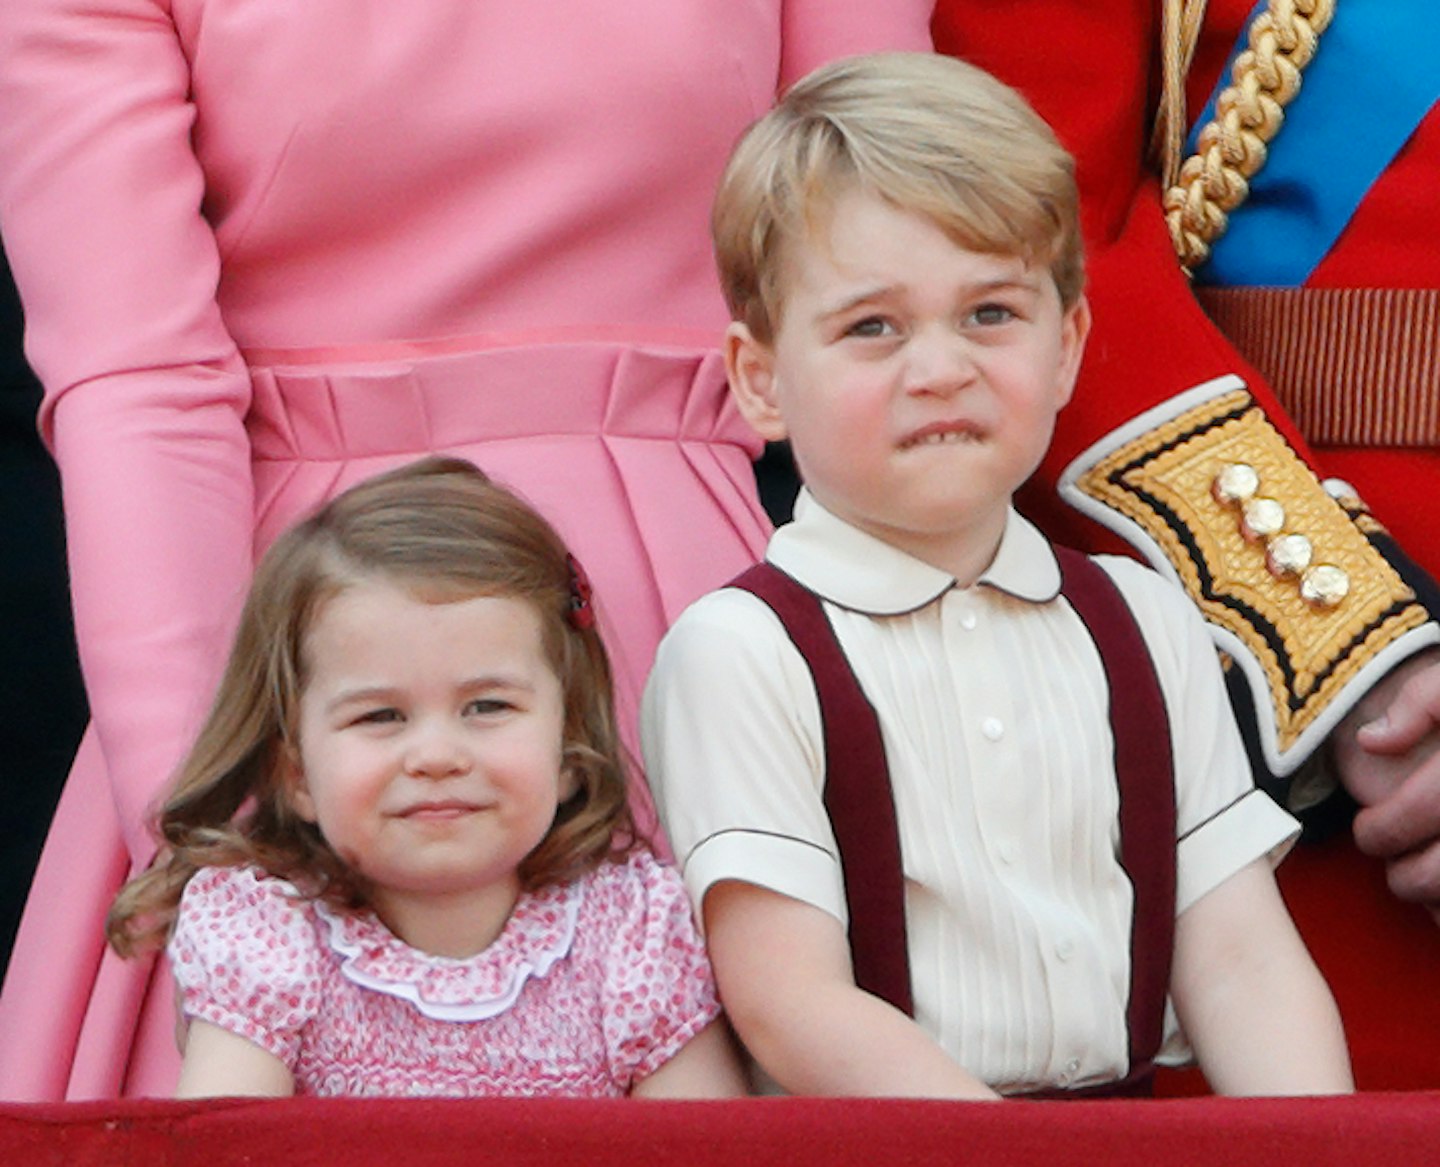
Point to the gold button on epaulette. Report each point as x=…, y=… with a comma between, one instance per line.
x=1288, y=554
x=1236, y=483
x=1289, y=573
x=1324, y=585
x=1261, y=518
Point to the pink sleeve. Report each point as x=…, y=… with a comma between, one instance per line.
x=145, y=394
x=659, y=990
x=814, y=32
x=245, y=958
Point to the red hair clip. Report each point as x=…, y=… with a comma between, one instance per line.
x=582, y=612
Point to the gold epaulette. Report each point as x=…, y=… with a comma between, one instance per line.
x=1285, y=574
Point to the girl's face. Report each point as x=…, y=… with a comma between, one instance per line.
x=430, y=743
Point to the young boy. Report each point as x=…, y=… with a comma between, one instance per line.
x=899, y=245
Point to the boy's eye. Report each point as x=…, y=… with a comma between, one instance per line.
x=870, y=326
x=988, y=314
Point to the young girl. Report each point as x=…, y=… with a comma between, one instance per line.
x=399, y=859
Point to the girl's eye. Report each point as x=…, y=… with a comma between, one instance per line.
x=484, y=705
x=870, y=326
x=378, y=717
x=991, y=314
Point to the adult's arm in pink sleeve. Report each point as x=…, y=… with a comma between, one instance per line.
x=145, y=394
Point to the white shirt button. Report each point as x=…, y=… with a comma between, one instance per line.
x=993, y=728
x=968, y=620
x=1065, y=949
x=1008, y=852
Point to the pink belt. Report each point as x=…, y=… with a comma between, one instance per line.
x=396, y=406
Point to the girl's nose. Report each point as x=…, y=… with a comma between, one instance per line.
x=436, y=752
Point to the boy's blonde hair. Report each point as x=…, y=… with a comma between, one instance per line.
x=444, y=531
x=929, y=134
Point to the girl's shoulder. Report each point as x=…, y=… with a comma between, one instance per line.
x=637, y=904
x=655, y=985
x=246, y=955
x=634, y=883
x=218, y=893
x=245, y=914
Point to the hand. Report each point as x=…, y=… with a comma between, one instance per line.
x=1388, y=754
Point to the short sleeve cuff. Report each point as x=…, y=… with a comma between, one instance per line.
x=1250, y=827
x=779, y=863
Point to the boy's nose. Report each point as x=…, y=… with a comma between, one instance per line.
x=939, y=363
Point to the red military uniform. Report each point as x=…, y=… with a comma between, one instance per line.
x=1150, y=428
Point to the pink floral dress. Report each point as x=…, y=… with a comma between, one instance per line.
x=590, y=987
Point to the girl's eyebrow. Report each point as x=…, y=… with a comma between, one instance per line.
x=485, y=682
x=366, y=694
x=497, y=681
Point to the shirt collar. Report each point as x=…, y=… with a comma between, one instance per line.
x=855, y=570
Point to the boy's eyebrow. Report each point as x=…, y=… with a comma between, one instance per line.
x=1026, y=282
x=855, y=299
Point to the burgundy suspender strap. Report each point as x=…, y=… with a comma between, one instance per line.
x=861, y=807
x=857, y=790
x=1144, y=772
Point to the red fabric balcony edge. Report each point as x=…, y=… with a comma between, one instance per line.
x=1388, y=1129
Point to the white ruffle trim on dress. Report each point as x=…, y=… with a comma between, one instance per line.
x=540, y=932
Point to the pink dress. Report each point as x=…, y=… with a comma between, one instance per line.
x=269, y=248
x=591, y=986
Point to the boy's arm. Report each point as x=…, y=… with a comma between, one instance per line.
x=1257, y=1012
x=783, y=968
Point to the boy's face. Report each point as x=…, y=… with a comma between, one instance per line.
x=918, y=382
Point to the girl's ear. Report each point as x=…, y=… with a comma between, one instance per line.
x=750, y=366
x=569, y=785
x=292, y=781
x=570, y=779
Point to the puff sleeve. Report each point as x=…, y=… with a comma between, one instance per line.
x=245, y=957
x=658, y=989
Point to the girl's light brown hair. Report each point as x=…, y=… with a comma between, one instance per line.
x=442, y=529
x=929, y=134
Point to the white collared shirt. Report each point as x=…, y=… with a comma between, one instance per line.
x=993, y=708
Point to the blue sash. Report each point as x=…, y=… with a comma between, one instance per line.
x=1374, y=78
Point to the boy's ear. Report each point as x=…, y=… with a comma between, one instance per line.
x=1074, y=331
x=750, y=367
